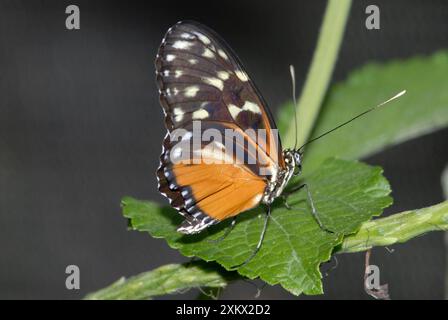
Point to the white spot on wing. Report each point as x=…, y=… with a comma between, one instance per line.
x=214, y=82
x=193, y=61
x=187, y=36
x=241, y=75
x=250, y=106
x=191, y=91
x=179, y=117
x=177, y=111
x=200, y=114
x=208, y=53
x=223, y=75
x=223, y=54
x=203, y=38
x=170, y=57
x=234, y=110
x=178, y=73
x=181, y=44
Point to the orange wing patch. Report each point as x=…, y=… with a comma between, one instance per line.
x=220, y=190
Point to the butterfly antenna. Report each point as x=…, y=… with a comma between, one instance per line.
x=294, y=99
x=354, y=118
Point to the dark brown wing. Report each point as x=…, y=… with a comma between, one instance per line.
x=200, y=78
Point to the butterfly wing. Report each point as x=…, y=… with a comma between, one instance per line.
x=214, y=187
x=200, y=78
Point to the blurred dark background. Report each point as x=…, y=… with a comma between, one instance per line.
x=80, y=127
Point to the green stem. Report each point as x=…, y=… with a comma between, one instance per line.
x=397, y=228
x=445, y=191
x=168, y=279
x=176, y=278
x=321, y=69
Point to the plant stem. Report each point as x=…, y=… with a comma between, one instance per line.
x=321, y=69
x=445, y=191
x=168, y=279
x=176, y=278
x=397, y=228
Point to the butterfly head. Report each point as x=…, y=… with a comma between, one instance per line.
x=293, y=159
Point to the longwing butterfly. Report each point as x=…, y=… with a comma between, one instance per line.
x=200, y=79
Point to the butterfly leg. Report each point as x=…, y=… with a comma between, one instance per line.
x=229, y=228
x=260, y=241
x=285, y=195
x=310, y=201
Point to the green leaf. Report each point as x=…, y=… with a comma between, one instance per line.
x=423, y=109
x=346, y=193
x=169, y=279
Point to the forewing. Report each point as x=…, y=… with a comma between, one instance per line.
x=200, y=78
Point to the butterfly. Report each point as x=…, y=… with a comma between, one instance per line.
x=200, y=79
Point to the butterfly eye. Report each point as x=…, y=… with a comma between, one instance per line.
x=298, y=164
x=298, y=159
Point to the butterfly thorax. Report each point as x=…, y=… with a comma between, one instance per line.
x=278, y=181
